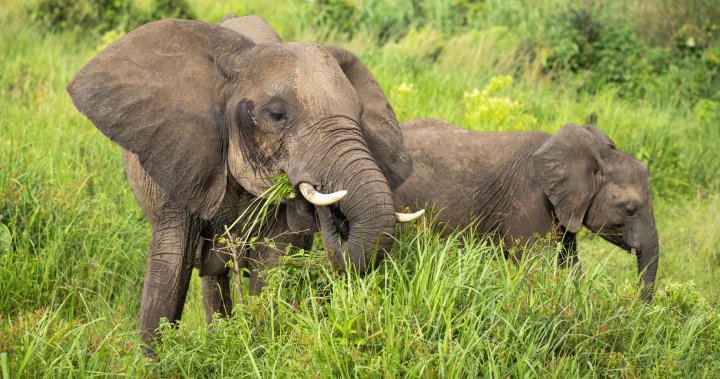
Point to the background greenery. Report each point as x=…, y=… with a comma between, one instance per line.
x=73, y=241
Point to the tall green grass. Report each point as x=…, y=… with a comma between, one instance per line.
x=73, y=241
x=438, y=309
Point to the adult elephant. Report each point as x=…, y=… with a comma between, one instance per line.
x=206, y=116
x=528, y=186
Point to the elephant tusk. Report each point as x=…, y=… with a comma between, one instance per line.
x=321, y=199
x=407, y=217
x=633, y=251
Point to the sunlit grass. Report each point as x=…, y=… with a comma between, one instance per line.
x=451, y=307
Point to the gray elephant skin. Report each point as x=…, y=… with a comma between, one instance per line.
x=526, y=186
x=205, y=115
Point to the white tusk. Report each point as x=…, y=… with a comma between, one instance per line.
x=633, y=251
x=317, y=198
x=407, y=217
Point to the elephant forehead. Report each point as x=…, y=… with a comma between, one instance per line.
x=328, y=100
x=321, y=83
x=626, y=192
x=315, y=65
x=310, y=53
x=253, y=27
x=269, y=60
x=627, y=170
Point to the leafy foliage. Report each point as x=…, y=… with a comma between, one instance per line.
x=610, y=52
x=488, y=110
x=104, y=15
x=170, y=9
x=85, y=14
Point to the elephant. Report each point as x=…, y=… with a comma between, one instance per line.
x=523, y=187
x=206, y=117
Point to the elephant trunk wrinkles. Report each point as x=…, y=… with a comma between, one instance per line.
x=360, y=225
x=369, y=216
x=647, y=256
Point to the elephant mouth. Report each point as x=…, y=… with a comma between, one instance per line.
x=334, y=225
x=628, y=249
x=340, y=223
x=331, y=220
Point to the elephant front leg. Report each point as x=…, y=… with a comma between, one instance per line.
x=568, y=254
x=216, y=295
x=266, y=257
x=170, y=262
x=215, y=280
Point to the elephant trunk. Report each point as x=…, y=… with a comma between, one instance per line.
x=358, y=229
x=647, y=257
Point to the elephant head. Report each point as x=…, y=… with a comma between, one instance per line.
x=201, y=105
x=378, y=123
x=591, y=183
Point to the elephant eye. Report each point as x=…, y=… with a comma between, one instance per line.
x=630, y=209
x=276, y=112
x=277, y=116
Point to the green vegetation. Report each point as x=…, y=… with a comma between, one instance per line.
x=73, y=242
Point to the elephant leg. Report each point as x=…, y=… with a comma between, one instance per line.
x=215, y=280
x=528, y=230
x=216, y=295
x=265, y=258
x=568, y=253
x=260, y=260
x=175, y=237
x=524, y=245
x=520, y=247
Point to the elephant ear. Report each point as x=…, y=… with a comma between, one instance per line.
x=158, y=93
x=378, y=122
x=568, y=166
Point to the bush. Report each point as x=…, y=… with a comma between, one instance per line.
x=610, y=55
x=492, y=110
x=171, y=9
x=605, y=51
x=335, y=16
x=389, y=21
x=104, y=15
x=99, y=15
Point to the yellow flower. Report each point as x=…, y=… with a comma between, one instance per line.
x=488, y=110
x=405, y=88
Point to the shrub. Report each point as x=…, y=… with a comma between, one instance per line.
x=611, y=55
x=492, y=110
x=171, y=9
x=99, y=15
x=104, y=15
x=606, y=51
x=335, y=16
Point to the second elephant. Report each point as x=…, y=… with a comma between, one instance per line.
x=529, y=185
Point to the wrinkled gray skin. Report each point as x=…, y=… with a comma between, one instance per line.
x=529, y=185
x=205, y=115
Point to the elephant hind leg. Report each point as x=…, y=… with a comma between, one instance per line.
x=216, y=295
x=175, y=236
